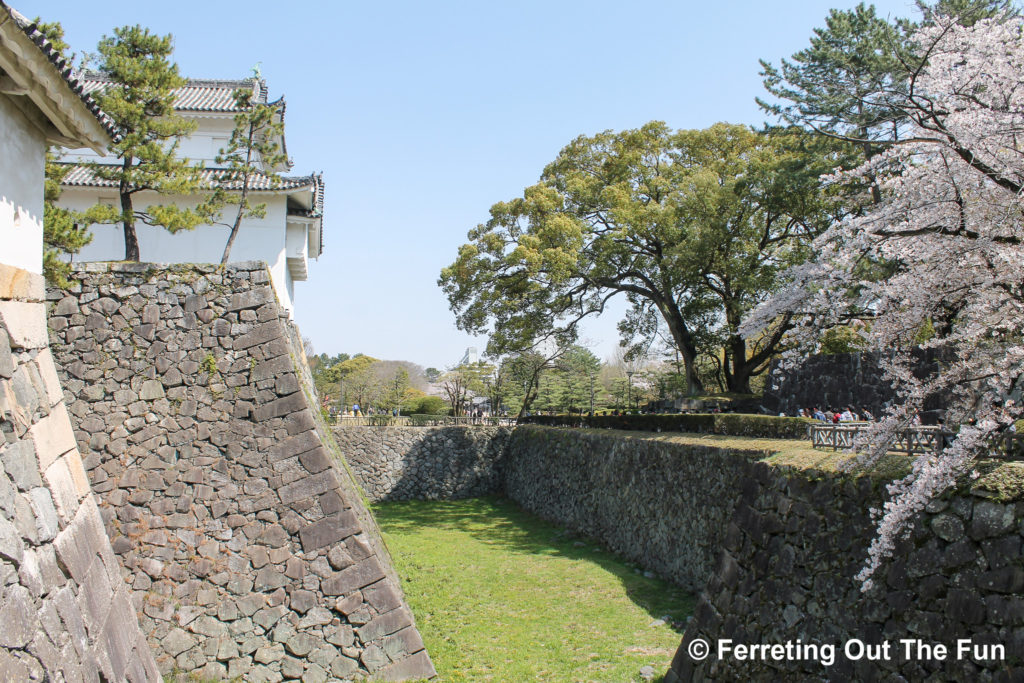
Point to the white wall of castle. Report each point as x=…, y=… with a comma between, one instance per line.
x=260, y=239
x=202, y=146
x=22, y=159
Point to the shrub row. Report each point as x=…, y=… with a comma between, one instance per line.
x=730, y=424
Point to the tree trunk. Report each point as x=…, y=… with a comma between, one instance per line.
x=684, y=342
x=739, y=377
x=527, y=398
x=242, y=201
x=131, y=239
x=231, y=238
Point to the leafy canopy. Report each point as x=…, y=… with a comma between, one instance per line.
x=691, y=226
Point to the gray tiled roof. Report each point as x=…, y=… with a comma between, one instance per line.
x=63, y=66
x=318, y=205
x=81, y=176
x=201, y=94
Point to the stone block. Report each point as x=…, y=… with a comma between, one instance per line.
x=71, y=616
x=384, y=625
x=293, y=446
x=176, y=642
x=47, y=521
x=48, y=372
x=253, y=298
x=271, y=368
x=259, y=335
x=353, y=578
x=991, y=519
x=20, y=463
x=328, y=530
x=6, y=359
x=119, y=633
x=402, y=643
x=309, y=487
x=151, y=390
x=300, y=421
x=25, y=323
x=18, y=616
x=281, y=406
x=150, y=314
x=21, y=285
x=65, y=493
x=78, y=475
x=315, y=460
x=269, y=578
x=286, y=384
x=53, y=436
x=79, y=541
x=382, y=596
x=12, y=547
x=414, y=667
x=95, y=594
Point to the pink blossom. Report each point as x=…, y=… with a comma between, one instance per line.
x=952, y=219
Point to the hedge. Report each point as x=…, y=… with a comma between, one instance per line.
x=729, y=424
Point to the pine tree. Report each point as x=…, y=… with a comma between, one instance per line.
x=140, y=99
x=252, y=152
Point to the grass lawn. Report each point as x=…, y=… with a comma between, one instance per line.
x=500, y=595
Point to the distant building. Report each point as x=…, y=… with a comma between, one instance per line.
x=470, y=357
x=286, y=238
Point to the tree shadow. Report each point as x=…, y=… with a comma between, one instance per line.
x=496, y=520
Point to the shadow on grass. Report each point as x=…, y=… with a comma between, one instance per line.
x=499, y=521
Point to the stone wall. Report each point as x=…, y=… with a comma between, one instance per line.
x=840, y=380
x=425, y=463
x=774, y=550
x=660, y=504
x=65, y=610
x=247, y=545
x=786, y=574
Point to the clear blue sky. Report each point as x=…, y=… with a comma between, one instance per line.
x=423, y=114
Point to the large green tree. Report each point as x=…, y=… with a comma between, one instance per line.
x=690, y=226
x=140, y=99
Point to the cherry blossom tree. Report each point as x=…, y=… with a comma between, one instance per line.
x=942, y=251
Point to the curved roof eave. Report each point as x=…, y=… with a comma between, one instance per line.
x=48, y=80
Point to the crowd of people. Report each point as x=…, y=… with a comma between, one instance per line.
x=834, y=416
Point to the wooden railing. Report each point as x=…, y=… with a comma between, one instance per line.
x=913, y=441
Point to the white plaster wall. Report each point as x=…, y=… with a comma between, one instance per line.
x=211, y=135
x=22, y=162
x=257, y=240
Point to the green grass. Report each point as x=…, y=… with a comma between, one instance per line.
x=500, y=595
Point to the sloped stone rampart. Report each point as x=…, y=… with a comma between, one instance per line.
x=65, y=611
x=425, y=463
x=247, y=545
